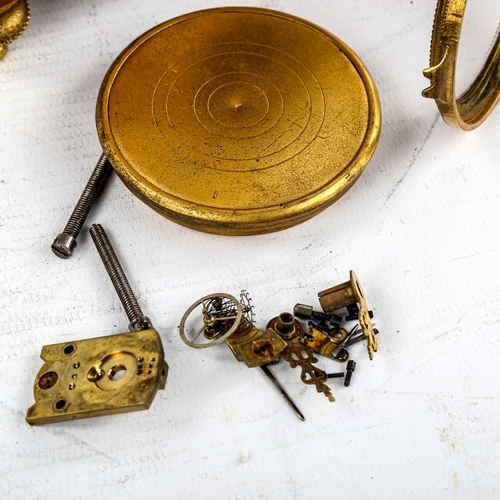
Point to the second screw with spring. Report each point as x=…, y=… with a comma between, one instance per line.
x=137, y=319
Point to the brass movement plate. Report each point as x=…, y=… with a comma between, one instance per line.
x=96, y=377
x=238, y=120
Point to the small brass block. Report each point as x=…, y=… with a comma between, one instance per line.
x=99, y=376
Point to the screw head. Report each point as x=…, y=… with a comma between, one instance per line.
x=140, y=323
x=63, y=246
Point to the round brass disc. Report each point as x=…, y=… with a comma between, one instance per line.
x=238, y=120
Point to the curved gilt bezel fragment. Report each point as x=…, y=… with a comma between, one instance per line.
x=471, y=108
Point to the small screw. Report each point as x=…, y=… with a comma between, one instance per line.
x=65, y=242
x=137, y=319
x=351, y=366
x=336, y=375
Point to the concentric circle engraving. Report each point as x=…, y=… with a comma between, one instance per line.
x=259, y=102
x=238, y=105
x=238, y=120
x=232, y=93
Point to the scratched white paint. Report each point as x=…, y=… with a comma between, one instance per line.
x=421, y=228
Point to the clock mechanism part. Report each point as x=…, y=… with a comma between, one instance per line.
x=104, y=375
x=221, y=317
x=243, y=121
x=350, y=295
x=470, y=109
x=14, y=18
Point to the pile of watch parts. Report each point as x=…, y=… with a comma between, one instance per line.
x=225, y=318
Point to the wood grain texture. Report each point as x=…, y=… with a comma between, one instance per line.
x=420, y=228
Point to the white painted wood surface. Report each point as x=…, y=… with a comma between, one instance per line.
x=420, y=227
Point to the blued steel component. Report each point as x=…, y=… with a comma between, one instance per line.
x=351, y=366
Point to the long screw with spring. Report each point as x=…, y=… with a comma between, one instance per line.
x=137, y=319
x=65, y=242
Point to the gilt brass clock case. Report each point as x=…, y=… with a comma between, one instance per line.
x=238, y=120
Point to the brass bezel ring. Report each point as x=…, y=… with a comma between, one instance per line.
x=470, y=109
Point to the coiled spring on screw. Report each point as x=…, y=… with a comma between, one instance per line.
x=135, y=315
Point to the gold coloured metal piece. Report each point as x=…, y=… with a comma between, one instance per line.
x=248, y=344
x=299, y=354
x=100, y=376
x=346, y=294
x=470, y=109
x=221, y=315
x=255, y=347
x=286, y=326
x=238, y=120
x=14, y=17
x=325, y=344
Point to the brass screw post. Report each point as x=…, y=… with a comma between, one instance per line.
x=137, y=319
x=65, y=242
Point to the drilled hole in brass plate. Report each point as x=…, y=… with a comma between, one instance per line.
x=117, y=372
x=48, y=380
x=69, y=349
x=60, y=404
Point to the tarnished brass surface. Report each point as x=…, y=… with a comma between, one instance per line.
x=255, y=347
x=286, y=326
x=221, y=315
x=14, y=17
x=100, y=376
x=238, y=120
x=470, y=109
x=299, y=354
x=324, y=344
x=350, y=292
